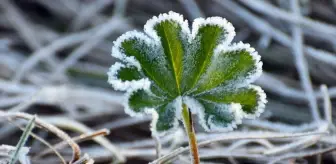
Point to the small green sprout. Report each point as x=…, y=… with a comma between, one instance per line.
x=172, y=72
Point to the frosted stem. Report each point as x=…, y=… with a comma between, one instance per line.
x=188, y=124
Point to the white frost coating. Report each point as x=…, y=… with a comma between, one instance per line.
x=261, y=102
x=128, y=109
x=217, y=21
x=239, y=114
x=120, y=85
x=223, y=48
x=178, y=18
x=192, y=104
x=236, y=110
x=177, y=138
x=151, y=38
x=177, y=105
x=155, y=117
x=198, y=108
x=118, y=53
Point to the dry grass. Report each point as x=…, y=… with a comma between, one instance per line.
x=54, y=56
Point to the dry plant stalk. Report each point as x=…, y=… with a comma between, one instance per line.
x=44, y=44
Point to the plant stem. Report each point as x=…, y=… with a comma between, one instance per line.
x=188, y=124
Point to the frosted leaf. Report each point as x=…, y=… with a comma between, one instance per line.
x=169, y=65
x=148, y=57
x=226, y=27
x=117, y=76
x=167, y=117
x=163, y=111
x=237, y=65
x=251, y=98
x=206, y=35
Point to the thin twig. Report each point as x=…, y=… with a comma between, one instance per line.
x=263, y=27
x=20, y=24
x=301, y=63
x=192, y=8
x=77, y=126
x=158, y=146
x=44, y=142
x=90, y=12
x=83, y=137
x=326, y=104
x=247, y=135
x=302, y=154
x=103, y=32
x=49, y=50
x=49, y=127
x=306, y=142
x=275, y=12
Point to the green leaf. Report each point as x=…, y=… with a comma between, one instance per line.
x=153, y=62
x=121, y=76
x=168, y=66
x=231, y=65
x=23, y=139
x=248, y=97
x=167, y=117
x=129, y=73
x=216, y=115
x=169, y=32
x=141, y=100
x=205, y=40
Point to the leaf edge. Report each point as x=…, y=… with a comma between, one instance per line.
x=236, y=108
x=120, y=85
x=217, y=21
x=151, y=111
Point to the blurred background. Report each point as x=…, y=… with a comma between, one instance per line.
x=54, y=56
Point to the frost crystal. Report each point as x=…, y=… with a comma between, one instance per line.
x=170, y=64
x=125, y=85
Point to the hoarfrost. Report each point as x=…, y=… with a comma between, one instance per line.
x=217, y=21
x=177, y=106
x=120, y=85
x=126, y=104
x=197, y=107
x=261, y=102
x=253, y=75
x=235, y=110
x=118, y=53
x=178, y=18
x=190, y=43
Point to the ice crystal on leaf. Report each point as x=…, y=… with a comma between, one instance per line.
x=169, y=65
